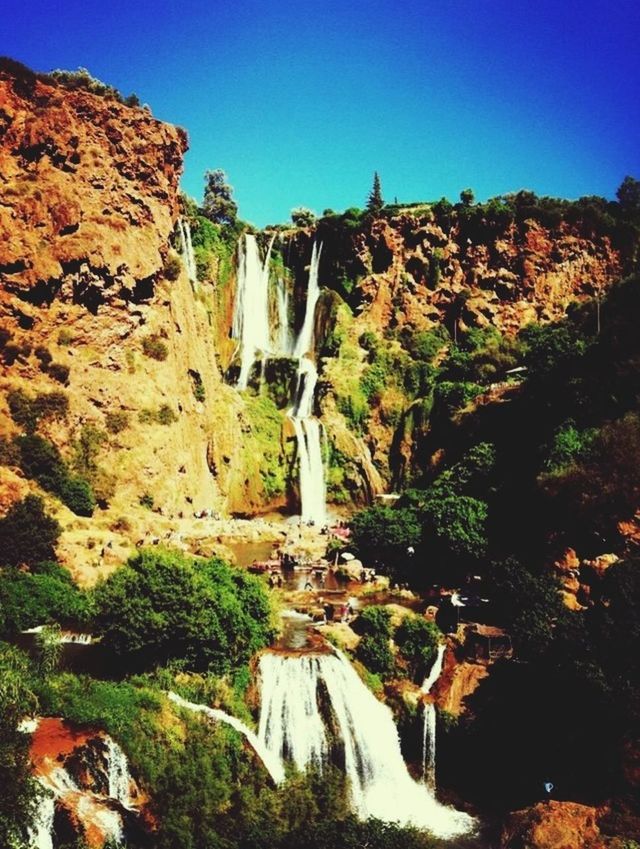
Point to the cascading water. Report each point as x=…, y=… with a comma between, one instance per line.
x=305, y=337
x=41, y=832
x=118, y=774
x=251, y=313
x=292, y=726
x=429, y=723
x=313, y=496
x=186, y=249
x=284, y=342
x=272, y=764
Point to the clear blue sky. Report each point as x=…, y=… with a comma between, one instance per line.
x=299, y=102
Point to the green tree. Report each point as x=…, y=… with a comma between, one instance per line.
x=418, y=642
x=303, y=217
x=19, y=790
x=164, y=605
x=27, y=533
x=467, y=197
x=218, y=205
x=384, y=535
x=375, y=201
x=628, y=195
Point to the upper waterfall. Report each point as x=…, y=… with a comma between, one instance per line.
x=251, y=312
x=293, y=727
x=304, y=341
x=429, y=722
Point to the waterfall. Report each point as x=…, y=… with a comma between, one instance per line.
x=41, y=832
x=186, y=249
x=272, y=764
x=313, y=495
x=292, y=726
x=284, y=342
x=118, y=774
x=429, y=723
x=305, y=337
x=251, y=312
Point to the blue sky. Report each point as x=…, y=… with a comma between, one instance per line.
x=299, y=102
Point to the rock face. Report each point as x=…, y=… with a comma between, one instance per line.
x=552, y=825
x=89, y=194
x=86, y=773
x=90, y=199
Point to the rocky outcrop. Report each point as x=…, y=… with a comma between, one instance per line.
x=89, y=195
x=89, y=789
x=552, y=825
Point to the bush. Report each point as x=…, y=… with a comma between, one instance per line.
x=44, y=356
x=59, y=372
x=65, y=337
x=27, y=534
x=375, y=653
x=155, y=348
x=27, y=411
x=10, y=353
x=164, y=415
x=164, y=605
x=146, y=500
x=41, y=461
x=171, y=271
x=418, y=642
x=117, y=421
x=28, y=600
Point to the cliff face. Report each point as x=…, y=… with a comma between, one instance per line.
x=89, y=200
x=89, y=195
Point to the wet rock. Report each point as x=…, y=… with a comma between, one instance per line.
x=552, y=825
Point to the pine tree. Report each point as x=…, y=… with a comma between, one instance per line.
x=375, y=201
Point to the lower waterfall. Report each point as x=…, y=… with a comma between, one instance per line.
x=292, y=727
x=429, y=723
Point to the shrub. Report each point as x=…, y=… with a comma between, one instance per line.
x=65, y=337
x=164, y=605
x=78, y=495
x=41, y=461
x=59, y=372
x=418, y=641
x=27, y=411
x=164, y=415
x=44, y=356
x=146, y=500
x=375, y=653
x=117, y=421
x=27, y=534
x=171, y=269
x=36, y=599
x=5, y=336
x=10, y=353
x=155, y=348
x=9, y=452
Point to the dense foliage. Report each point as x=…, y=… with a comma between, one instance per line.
x=163, y=605
x=28, y=534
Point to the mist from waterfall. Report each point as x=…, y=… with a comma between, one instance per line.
x=429, y=722
x=186, y=249
x=293, y=728
x=251, y=312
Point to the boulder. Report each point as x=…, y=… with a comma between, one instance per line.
x=552, y=825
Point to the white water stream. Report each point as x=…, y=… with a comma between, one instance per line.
x=251, y=312
x=292, y=727
x=313, y=490
x=186, y=249
x=272, y=764
x=429, y=723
